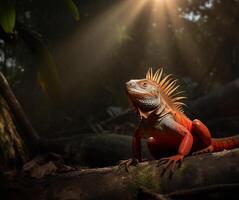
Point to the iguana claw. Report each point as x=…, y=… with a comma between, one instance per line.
x=127, y=163
x=170, y=164
x=208, y=149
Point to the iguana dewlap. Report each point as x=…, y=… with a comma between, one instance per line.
x=168, y=130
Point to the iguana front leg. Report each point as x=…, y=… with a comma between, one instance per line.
x=136, y=149
x=185, y=146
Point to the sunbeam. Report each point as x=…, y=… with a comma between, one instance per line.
x=108, y=30
x=92, y=47
x=95, y=47
x=158, y=36
x=190, y=49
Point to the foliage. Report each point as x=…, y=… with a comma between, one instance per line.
x=215, y=35
x=7, y=16
x=47, y=73
x=73, y=9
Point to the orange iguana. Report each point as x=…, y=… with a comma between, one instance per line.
x=168, y=130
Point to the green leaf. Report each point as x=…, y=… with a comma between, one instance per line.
x=73, y=9
x=7, y=16
x=47, y=74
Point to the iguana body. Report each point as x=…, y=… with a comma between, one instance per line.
x=168, y=130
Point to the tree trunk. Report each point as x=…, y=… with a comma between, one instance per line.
x=27, y=132
x=11, y=145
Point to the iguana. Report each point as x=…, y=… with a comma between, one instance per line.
x=168, y=130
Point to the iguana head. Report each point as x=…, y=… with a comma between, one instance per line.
x=143, y=94
x=151, y=93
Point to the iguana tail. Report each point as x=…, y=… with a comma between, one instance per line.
x=225, y=143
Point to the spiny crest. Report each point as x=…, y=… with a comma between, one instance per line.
x=168, y=85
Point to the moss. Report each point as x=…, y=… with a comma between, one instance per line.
x=221, y=153
x=145, y=176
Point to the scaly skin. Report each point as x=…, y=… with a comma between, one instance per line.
x=170, y=134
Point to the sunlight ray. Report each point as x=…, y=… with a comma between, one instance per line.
x=103, y=30
x=93, y=47
x=158, y=38
x=191, y=48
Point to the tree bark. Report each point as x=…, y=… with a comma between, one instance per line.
x=12, y=147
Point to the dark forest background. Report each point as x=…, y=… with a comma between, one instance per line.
x=111, y=43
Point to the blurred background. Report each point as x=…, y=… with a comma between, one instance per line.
x=112, y=42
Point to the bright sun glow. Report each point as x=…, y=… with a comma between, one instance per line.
x=112, y=28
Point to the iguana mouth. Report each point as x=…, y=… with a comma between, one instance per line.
x=134, y=93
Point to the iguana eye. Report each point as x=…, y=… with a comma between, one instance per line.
x=145, y=84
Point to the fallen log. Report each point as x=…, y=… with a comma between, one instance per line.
x=199, y=176
x=92, y=150
x=222, y=102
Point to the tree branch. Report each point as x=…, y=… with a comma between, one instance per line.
x=28, y=133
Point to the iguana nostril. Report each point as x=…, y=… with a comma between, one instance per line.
x=130, y=84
